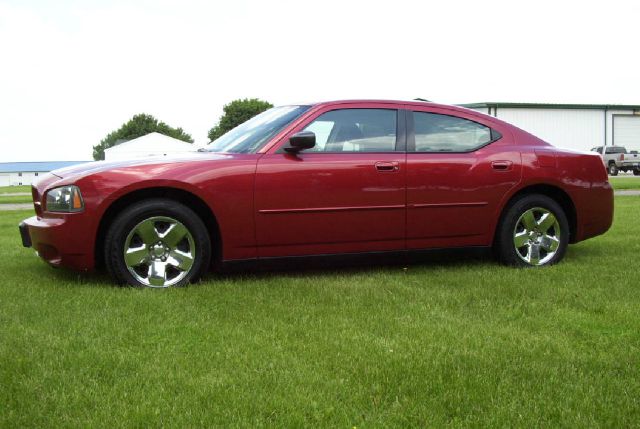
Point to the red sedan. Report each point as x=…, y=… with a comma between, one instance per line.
x=328, y=178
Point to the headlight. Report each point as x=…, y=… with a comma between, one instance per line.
x=64, y=199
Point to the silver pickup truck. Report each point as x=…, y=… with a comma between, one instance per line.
x=616, y=158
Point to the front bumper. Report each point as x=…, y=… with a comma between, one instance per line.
x=24, y=234
x=60, y=241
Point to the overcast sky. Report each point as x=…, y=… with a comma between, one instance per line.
x=73, y=71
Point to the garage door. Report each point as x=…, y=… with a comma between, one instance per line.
x=626, y=131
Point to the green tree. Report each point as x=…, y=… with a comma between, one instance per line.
x=237, y=112
x=138, y=126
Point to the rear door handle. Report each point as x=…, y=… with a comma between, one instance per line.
x=387, y=166
x=501, y=165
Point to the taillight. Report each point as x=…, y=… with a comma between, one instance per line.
x=622, y=157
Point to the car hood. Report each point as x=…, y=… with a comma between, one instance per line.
x=99, y=166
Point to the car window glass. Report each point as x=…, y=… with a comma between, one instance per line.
x=322, y=130
x=257, y=131
x=355, y=130
x=443, y=133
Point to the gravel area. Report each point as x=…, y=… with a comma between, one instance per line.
x=15, y=194
x=8, y=207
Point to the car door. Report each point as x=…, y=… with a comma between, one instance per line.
x=458, y=171
x=346, y=194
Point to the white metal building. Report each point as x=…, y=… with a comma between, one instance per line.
x=24, y=173
x=152, y=144
x=574, y=126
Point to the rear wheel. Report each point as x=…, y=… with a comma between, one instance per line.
x=613, y=169
x=636, y=172
x=534, y=232
x=157, y=243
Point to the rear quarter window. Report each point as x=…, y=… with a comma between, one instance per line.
x=444, y=133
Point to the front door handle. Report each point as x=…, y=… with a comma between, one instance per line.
x=501, y=165
x=387, y=166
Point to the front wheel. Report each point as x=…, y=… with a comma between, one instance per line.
x=534, y=232
x=157, y=243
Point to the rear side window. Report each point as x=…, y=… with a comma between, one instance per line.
x=355, y=130
x=444, y=133
x=616, y=149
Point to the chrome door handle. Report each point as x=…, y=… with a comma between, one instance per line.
x=387, y=166
x=501, y=165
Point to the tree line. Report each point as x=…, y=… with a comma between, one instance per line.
x=234, y=114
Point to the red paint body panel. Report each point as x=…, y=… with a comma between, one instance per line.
x=272, y=204
x=454, y=197
x=334, y=203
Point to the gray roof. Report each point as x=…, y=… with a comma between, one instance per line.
x=16, y=167
x=498, y=104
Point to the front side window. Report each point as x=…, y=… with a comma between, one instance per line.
x=444, y=133
x=355, y=130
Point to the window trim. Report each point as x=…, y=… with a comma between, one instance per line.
x=401, y=133
x=411, y=134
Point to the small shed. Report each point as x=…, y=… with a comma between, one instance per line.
x=152, y=144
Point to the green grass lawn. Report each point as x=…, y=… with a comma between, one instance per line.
x=444, y=343
x=629, y=182
x=14, y=189
x=14, y=199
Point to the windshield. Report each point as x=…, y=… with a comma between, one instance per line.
x=253, y=134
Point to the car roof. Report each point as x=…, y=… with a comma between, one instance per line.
x=383, y=101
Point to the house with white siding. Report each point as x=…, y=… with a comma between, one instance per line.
x=24, y=173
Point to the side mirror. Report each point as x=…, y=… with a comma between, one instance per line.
x=300, y=141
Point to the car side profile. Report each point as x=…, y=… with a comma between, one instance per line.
x=330, y=178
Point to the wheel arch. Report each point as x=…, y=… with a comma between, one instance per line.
x=554, y=192
x=187, y=198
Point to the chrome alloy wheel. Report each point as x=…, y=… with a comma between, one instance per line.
x=159, y=251
x=536, y=236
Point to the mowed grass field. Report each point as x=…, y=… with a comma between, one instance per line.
x=6, y=196
x=625, y=182
x=13, y=189
x=457, y=343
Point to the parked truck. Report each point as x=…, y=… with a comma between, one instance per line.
x=616, y=158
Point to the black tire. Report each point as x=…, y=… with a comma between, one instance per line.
x=636, y=172
x=613, y=169
x=504, y=242
x=155, y=211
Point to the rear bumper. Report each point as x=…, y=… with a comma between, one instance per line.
x=60, y=241
x=597, y=212
x=629, y=164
